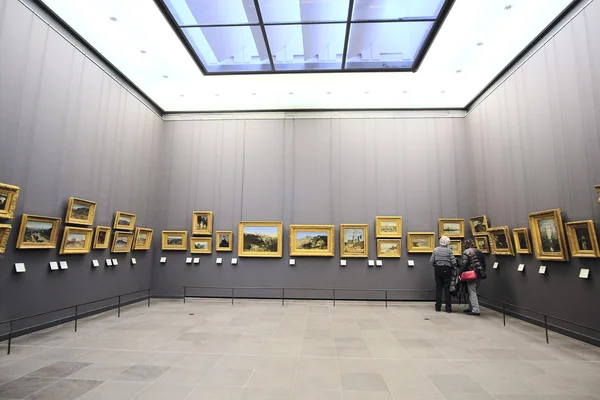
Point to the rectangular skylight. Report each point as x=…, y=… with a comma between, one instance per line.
x=212, y=12
x=396, y=9
x=282, y=11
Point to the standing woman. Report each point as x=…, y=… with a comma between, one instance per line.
x=473, y=260
x=443, y=263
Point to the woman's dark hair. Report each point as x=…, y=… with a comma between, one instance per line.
x=468, y=244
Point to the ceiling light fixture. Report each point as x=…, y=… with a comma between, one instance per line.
x=182, y=95
x=291, y=93
x=253, y=94
x=165, y=76
x=405, y=91
x=458, y=71
x=114, y=19
x=480, y=44
x=328, y=92
x=443, y=91
x=143, y=51
x=367, y=92
x=507, y=7
x=217, y=94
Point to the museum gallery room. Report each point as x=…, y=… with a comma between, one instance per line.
x=299, y=199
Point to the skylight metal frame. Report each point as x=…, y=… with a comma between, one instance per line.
x=419, y=57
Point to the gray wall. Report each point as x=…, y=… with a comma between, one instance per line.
x=311, y=171
x=536, y=145
x=68, y=129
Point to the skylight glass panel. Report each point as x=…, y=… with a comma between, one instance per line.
x=212, y=12
x=307, y=47
x=396, y=9
x=385, y=44
x=230, y=48
x=282, y=11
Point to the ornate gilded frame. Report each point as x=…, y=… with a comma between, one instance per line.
x=410, y=246
x=576, y=251
x=396, y=254
x=69, y=219
x=259, y=224
x=218, y=235
x=146, y=244
x=165, y=240
x=22, y=244
x=194, y=240
x=97, y=244
x=365, y=252
x=460, y=221
x=556, y=216
x=518, y=248
x=89, y=235
x=484, y=221
x=12, y=195
x=397, y=220
x=116, y=237
x=327, y=230
x=4, y=235
x=209, y=225
x=459, y=246
x=504, y=251
x=483, y=243
x=128, y=227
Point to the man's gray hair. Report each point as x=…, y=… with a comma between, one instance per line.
x=444, y=241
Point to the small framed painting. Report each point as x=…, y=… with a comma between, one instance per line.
x=224, y=240
x=122, y=242
x=388, y=227
x=202, y=223
x=9, y=195
x=260, y=239
x=312, y=240
x=456, y=246
x=80, y=212
x=38, y=232
x=389, y=248
x=124, y=221
x=142, y=239
x=548, y=235
x=201, y=245
x=452, y=227
x=102, y=237
x=174, y=240
x=582, y=239
x=76, y=240
x=483, y=244
x=4, y=234
x=479, y=225
x=354, y=240
x=522, y=243
x=420, y=242
x=500, y=241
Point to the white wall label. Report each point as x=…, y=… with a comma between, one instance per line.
x=379, y=263
x=63, y=265
x=197, y=260
x=343, y=263
x=495, y=265
x=95, y=263
x=411, y=263
x=53, y=265
x=115, y=261
x=521, y=267
x=219, y=261
x=133, y=261
x=234, y=261
x=109, y=262
x=20, y=267
x=163, y=260
x=542, y=270
x=188, y=260
x=292, y=261
x=371, y=263
x=584, y=273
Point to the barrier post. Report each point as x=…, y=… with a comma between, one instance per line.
x=282, y=296
x=504, y=313
x=334, y=297
x=119, y=309
x=232, y=294
x=76, y=312
x=386, y=298
x=148, y=297
x=9, y=337
x=546, y=328
x=184, y=294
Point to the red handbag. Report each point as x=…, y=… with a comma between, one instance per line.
x=468, y=276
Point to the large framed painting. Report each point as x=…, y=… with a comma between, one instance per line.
x=201, y=245
x=142, y=239
x=389, y=248
x=483, y=244
x=38, y=232
x=312, y=240
x=500, y=241
x=388, y=227
x=202, y=222
x=102, y=237
x=174, y=240
x=420, y=242
x=224, y=241
x=76, y=240
x=479, y=225
x=452, y=227
x=522, y=242
x=9, y=195
x=582, y=239
x=354, y=240
x=456, y=246
x=122, y=242
x=80, y=212
x=548, y=235
x=4, y=234
x=260, y=239
x=124, y=221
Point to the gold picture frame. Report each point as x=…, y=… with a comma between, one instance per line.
x=548, y=235
x=598, y=190
x=451, y=227
x=122, y=242
x=202, y=223
x=389, y=248
x=142, y=239
x=124, y=221
x=522, y=242
x=102, y=237
x=500, y=241
x=354, y=240
x=80, y=212
x=201, y=245
x=224, y=241
x=76, y=240
x=38, y=232
x=312, y=240
x=420, y=242
x=260, y=239
x=174, y=240
x=388, y=227
x=479, y=225
x=456, y=247
x=482, y=243
x=9, y=194
x=4, y=235
x=582, y=239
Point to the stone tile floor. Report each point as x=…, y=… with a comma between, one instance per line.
x=209, y=349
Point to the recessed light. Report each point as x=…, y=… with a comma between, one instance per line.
x=405, y=91
x=114, y=19
x=143, y=51
x=458, y=71
x=182, y=95
x=165, y=76
x=328, y=92
x=291, y=93
x=508, y=7
x=479, y=43
x=253, y=94
x=443, y=91
x=217, y=94
x=367, y=92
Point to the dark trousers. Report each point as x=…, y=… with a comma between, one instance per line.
x=443, y=275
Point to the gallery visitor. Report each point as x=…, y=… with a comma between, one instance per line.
x=444, y=264
x=472, y=260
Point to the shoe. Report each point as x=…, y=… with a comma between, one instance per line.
x=438, y=309
x=448, y=310
x=466, y=311
x=472, y=313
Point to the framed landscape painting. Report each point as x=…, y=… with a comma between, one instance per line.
x=122, y=242
x=9, y=195
x=38, y=232
x=388, y=227
x=124, y=221
x=4, y=234
x=420, y=242
x=582, y=239
x=102, y=237
x=479, y=225
x=483, y=244
x=260, y=239
x=174, y=240
x=452, y=227
x=202, y=222
x=76, y=240
x=500, y=241
x=456, y=246
x=312, y=240
x=201, y=245
x=522, y=243
x=224, y=241
x=142, y=239
x=354, y=240
x=80, y=212
x=389, y=248
x=548, y=235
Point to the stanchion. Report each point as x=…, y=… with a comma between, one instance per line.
x=504, y=314
x=282, y=296
x=546, y=328
x=119, y=310
x=149, y=294
x=184, y=295
x=386, y=298
x=334, y=297
x=232, y=295
x=9, y=336
x=76, y=312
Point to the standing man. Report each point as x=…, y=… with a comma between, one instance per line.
x=443, y=263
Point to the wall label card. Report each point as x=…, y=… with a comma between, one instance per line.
x=234, y=261
x=292, y=261
x=188, y=260
x=197, y=260
x=542, y=270
x=371, y=263
x=63, y=265
x=163, y=260
x=133, y=261
x=495, y=265
x=115, y=261
x=521, y=267
x=219, y=261
x=20, y=267
x=53, y=265
x=584, y=273
x=343, y=263
x=95, y=263
x=109, y=262
x=379, y=263
x=411, y=263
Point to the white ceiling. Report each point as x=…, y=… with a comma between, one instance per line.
x=168, y=74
